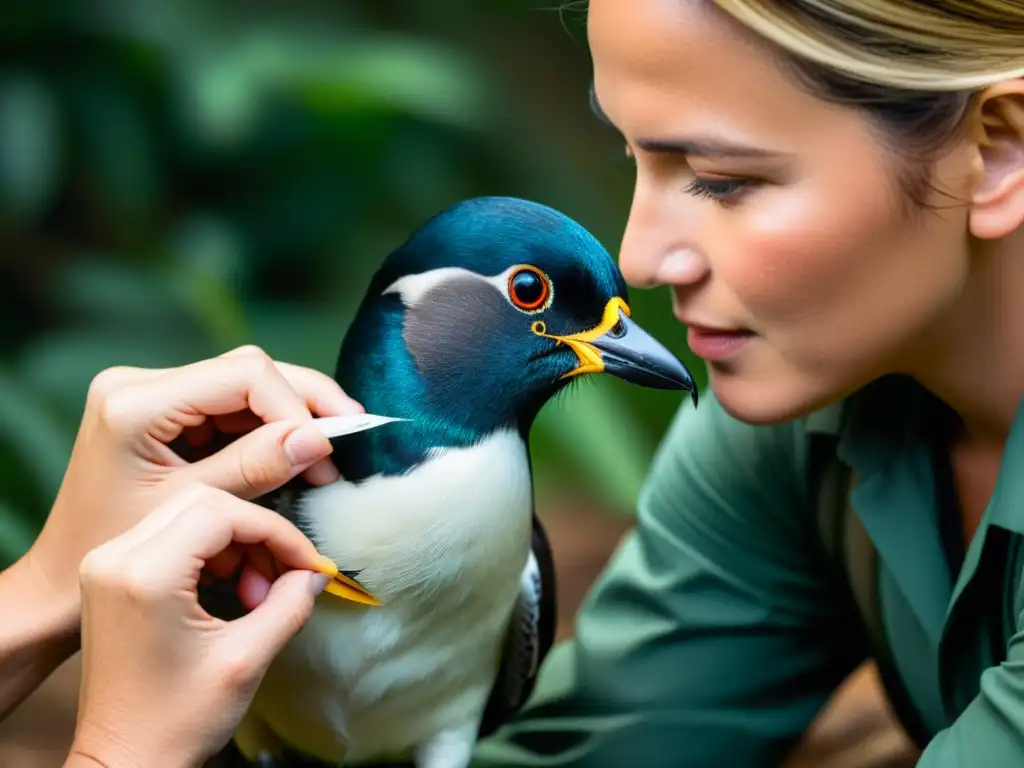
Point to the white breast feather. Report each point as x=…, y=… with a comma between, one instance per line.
x=444, y=547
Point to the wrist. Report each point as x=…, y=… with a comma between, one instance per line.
x=39, y=632
x=80, y=760
x=56, y=605
x=130, y=745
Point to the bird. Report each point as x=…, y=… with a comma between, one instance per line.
x=486, y=312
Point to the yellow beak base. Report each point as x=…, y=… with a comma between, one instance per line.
x=589, y=356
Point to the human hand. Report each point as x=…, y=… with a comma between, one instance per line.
x=163, y=682
x=122, y=464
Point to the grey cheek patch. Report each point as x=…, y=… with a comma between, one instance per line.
x=454, y=323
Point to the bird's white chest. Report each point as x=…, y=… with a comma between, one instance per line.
x=444, y=547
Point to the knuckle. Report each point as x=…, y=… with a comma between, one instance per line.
x=254, y=475
x=108, y=381
x=100, y=568
x=201, y=501
x=108, y=571
x=251, y=350
x=118, y=409
x=211, y=499
x=258, y=364
x=255, y=356
x=258, y=472
x=140, y=583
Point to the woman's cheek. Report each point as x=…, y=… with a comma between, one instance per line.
x=794, y=256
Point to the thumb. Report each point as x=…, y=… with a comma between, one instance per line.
x=284, y=611
x=262, y=460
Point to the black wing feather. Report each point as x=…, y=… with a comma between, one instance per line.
x=531, y=634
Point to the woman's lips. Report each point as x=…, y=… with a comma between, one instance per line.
x=715, y=343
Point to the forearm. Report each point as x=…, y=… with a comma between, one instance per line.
x=39, y=631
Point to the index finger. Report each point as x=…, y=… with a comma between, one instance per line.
x=216, y=519
x=182, y=397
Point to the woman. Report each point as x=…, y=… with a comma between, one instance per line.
x=834, y=192
x=137, y=527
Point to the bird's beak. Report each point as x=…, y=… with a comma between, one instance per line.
x=619, y=346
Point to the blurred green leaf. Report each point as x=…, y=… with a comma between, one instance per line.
x=31, y=431
x=213, y=305
x=592, y=426
x=94, y=289
x=31, y=155
x=59, y=365
x=349, y=75
x=121, y=170
x=16, y=534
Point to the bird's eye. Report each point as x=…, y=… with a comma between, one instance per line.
x=617, y=331
x=529, y=289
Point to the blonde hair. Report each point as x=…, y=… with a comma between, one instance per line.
x=930, y=45
x=913, y=67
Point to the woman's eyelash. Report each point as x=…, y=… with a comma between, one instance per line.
x=715, y=190
x=720, y=190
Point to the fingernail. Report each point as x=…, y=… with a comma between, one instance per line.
x=323, y=473
x=326, y=565
x=318, y=583
x=305, y=445
x=346, y=406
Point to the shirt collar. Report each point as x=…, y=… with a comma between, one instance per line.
x=886, y=433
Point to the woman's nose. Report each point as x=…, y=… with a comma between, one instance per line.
x=658, y=248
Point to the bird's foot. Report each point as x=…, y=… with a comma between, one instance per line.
x=448, y=749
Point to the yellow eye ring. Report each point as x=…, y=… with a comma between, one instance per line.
x=529, y=289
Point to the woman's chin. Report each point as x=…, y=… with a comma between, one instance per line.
x=765, y=400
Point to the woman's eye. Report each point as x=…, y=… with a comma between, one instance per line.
x=717, y=189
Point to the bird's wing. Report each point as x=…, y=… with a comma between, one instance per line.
x=531, y=634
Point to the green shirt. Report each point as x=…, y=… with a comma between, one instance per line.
x=718, y=630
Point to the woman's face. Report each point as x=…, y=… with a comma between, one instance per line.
x=775, y=216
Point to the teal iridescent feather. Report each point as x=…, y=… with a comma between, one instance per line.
x=505, y=374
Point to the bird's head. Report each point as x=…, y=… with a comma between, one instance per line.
x=486, y=311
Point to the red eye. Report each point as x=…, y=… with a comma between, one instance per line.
x=529, y=289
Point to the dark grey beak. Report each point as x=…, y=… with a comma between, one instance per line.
x=632, y=354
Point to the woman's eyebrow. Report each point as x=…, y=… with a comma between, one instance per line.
x=692, y=147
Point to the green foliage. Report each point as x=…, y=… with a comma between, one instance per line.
x=180, y=178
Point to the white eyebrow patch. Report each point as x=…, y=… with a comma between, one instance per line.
x=412, y=288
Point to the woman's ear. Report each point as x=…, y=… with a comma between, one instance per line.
x=997, y=196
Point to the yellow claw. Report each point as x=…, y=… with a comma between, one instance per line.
x=344, y=587
x=356, y=594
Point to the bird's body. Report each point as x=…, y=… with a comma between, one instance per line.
x=465, y=332
x=443, y=547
